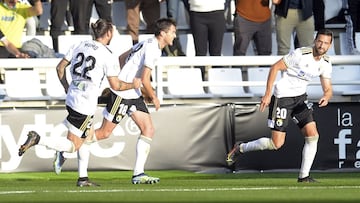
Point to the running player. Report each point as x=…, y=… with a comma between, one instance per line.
x=139, y=61
x=289, y=101
x=90, y=62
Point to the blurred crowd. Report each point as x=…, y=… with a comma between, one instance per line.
x=252, y=22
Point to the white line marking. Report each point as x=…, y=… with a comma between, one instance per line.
x=185, y=189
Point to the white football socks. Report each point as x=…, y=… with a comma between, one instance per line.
x=83, y=159
x=256, y=145
x=61, y=144
x=308, y=155
x=142, y=152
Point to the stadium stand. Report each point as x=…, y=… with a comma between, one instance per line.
x=259, y=75
x=66, y=41
x=23, y=85
x=185, y=83
x=178, y=83
x=346, y=74
x=345, y=78
x=54, y=89
x=216, y=75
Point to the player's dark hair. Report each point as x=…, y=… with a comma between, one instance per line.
x=163, y=24
x=101, y=27
x=325, y=32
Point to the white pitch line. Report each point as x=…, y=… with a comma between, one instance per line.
x=185, y=189
x=15, y=192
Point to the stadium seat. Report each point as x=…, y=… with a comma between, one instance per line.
x=341, y=73
x=185, y=82
x=346, y=73
x=54, y=88
x=66, y=41
x=23, y=85
x=258, y=75
x=226, y=75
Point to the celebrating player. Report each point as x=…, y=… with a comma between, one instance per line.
x=289, y=101
x=138, y=62
x=90, y=62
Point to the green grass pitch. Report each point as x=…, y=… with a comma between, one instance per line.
x=180, y=186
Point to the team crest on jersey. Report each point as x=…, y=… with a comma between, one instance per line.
x=279, y=122
x=301, y=73
x=119, y=118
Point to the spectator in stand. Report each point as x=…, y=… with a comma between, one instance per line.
x=32, y=22
x=81, y=11
x=172, y=10
x=58, y=11
x=207, y=23
x=252, y=22
x=151, y=12
x=11, y=29
x=319, y=14
x=319, y=18
x=186, y=4
x=9, y=50
x=354, y=9
x=293, y=15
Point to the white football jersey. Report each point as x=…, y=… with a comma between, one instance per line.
x=143, y=54
x=301, y=69
x=91, y=63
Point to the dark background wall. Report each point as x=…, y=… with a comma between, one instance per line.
x=188, y=137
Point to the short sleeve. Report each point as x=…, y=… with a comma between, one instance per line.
x=292, y=58
x=112, y=67
x=326, y=68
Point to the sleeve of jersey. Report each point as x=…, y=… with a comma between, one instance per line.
x=151, y=54
x=327, y=69
x=112, y=67
x=23, y=10
x=291, y=58
x=69, y=54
